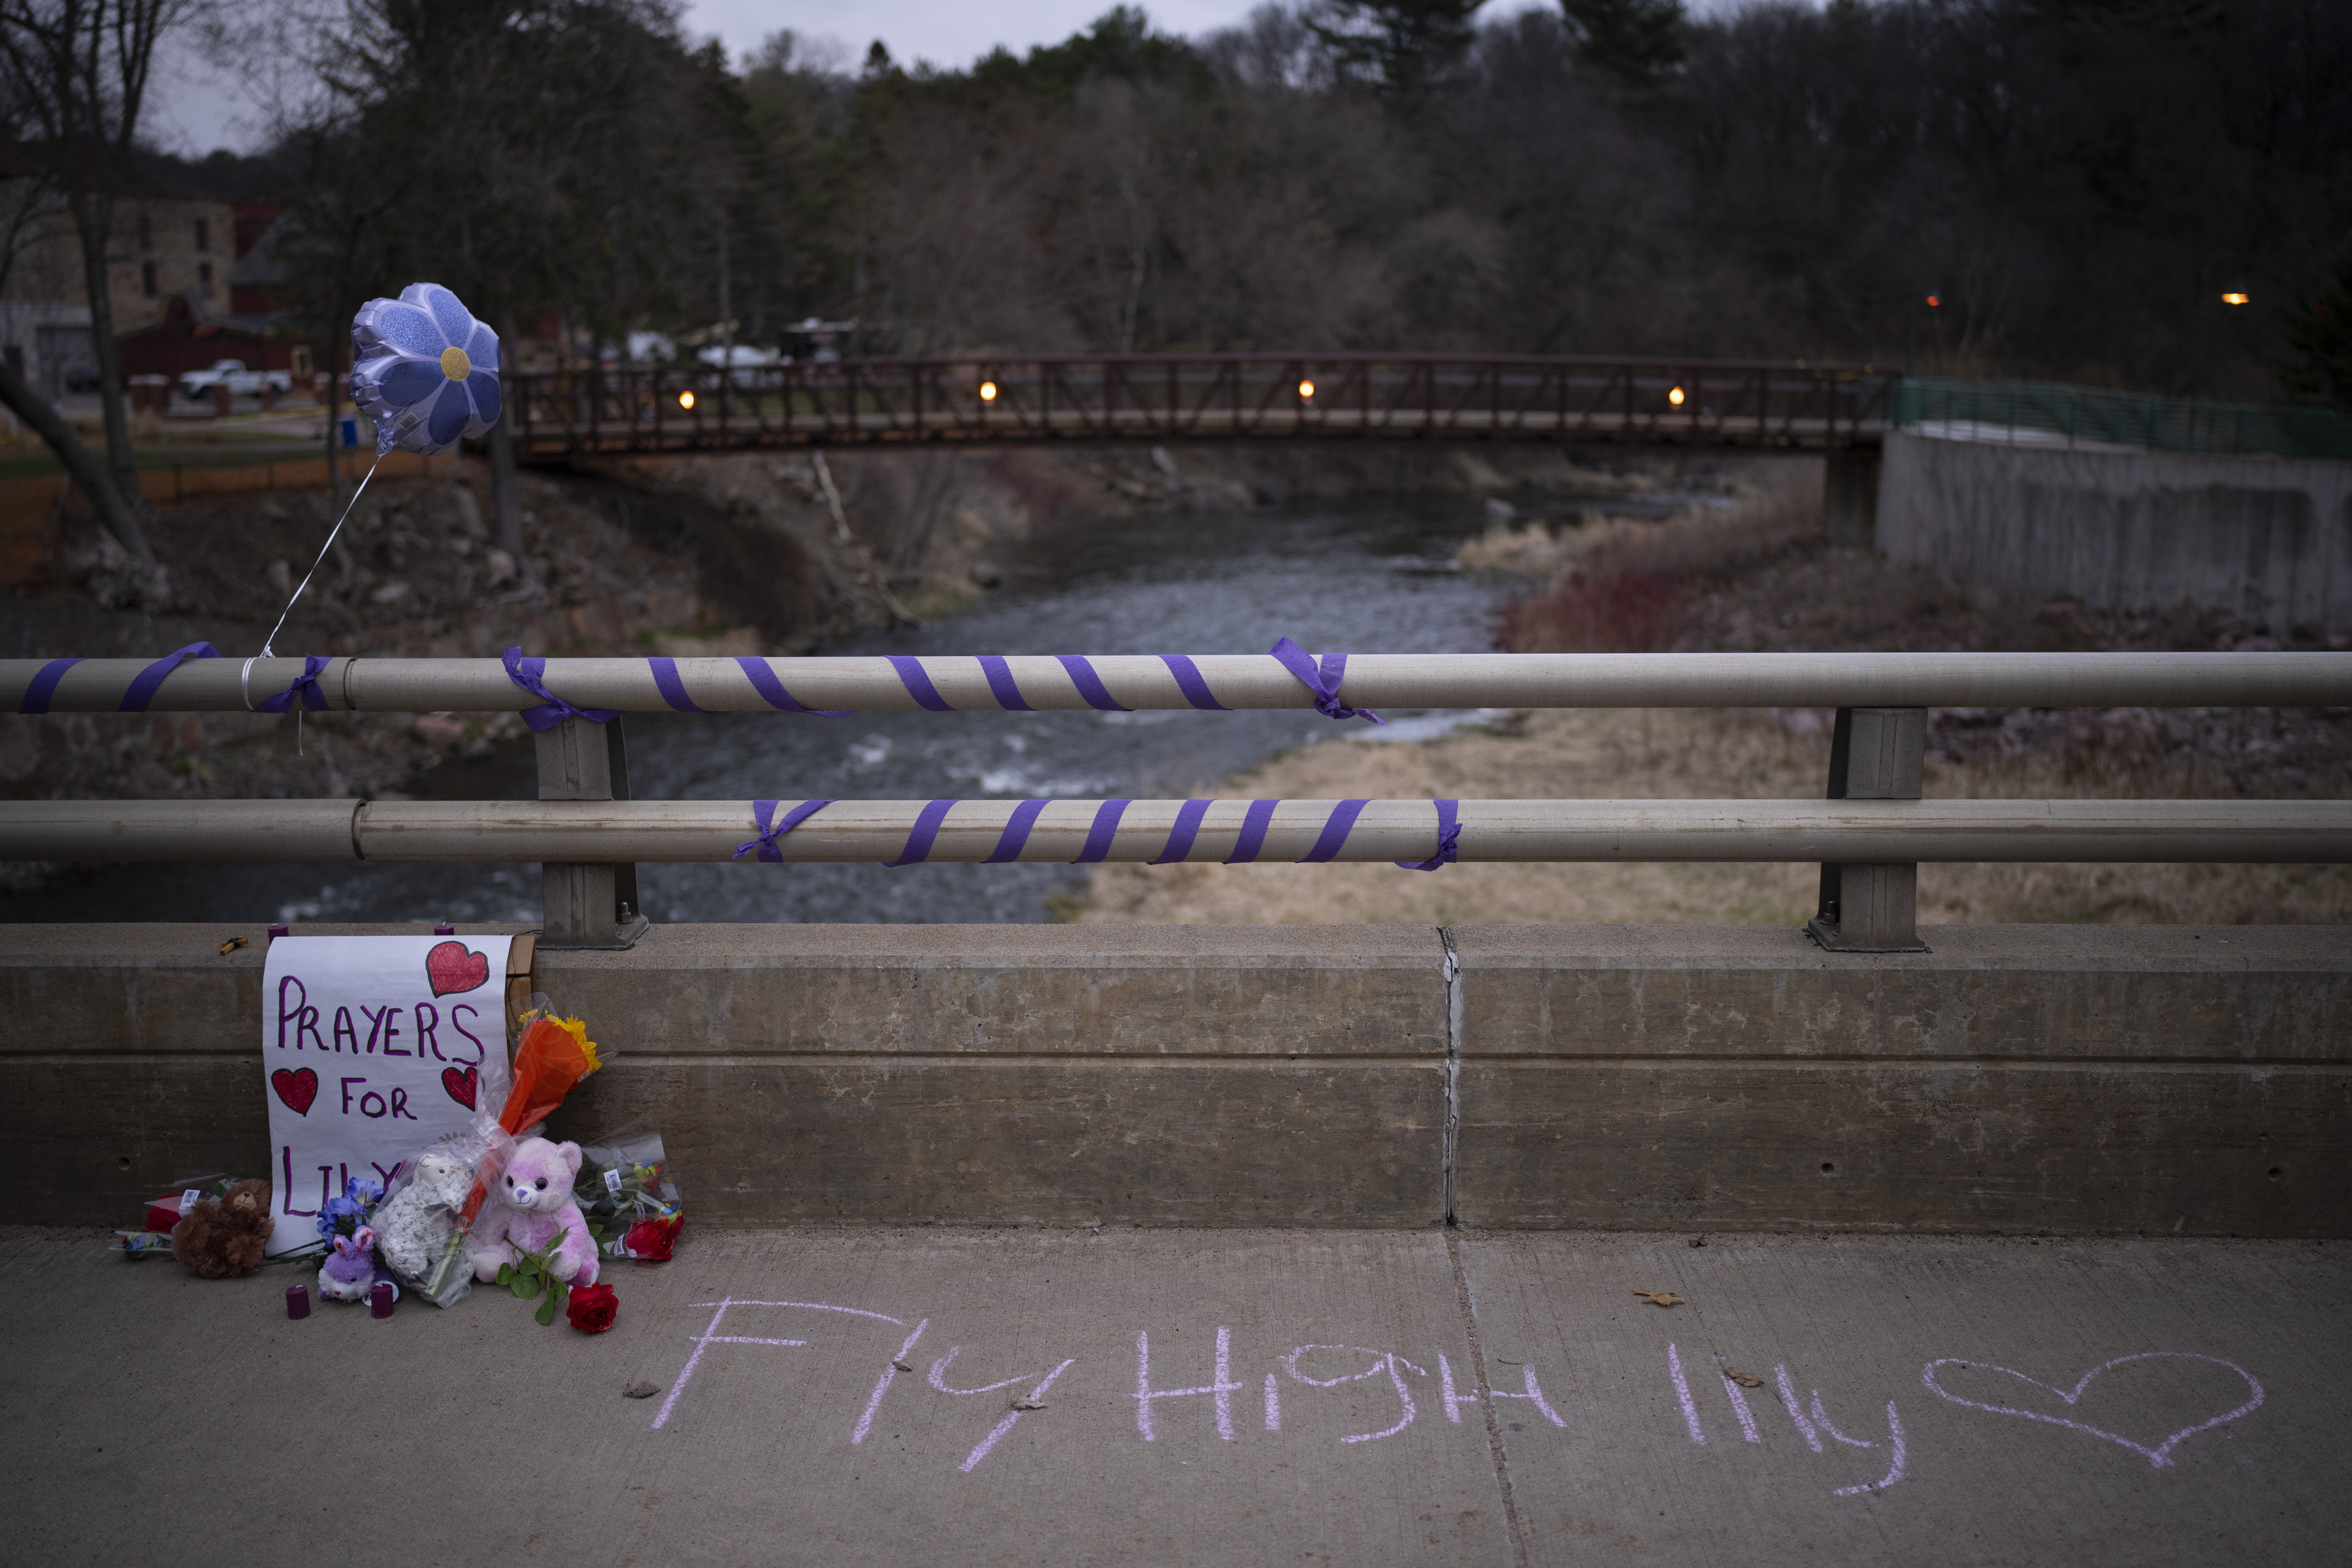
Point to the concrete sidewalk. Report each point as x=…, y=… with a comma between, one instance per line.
x=1225, y=1396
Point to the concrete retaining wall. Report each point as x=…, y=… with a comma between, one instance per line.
x=2266, y=538
x=2077, y=1079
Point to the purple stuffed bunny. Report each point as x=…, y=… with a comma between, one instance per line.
x=350, y=1273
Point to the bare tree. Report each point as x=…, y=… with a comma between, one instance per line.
x=78, y=72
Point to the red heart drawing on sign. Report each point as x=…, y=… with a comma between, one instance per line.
x=462, y=1086
x=452, y=968
x=297, y=1087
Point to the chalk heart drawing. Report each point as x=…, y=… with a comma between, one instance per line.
x=462, y=1086
x=2159, y=1456
x=297, y=1089
x=452, y=968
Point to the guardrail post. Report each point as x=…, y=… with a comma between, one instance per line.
x=589, y=904
x=1876, y=753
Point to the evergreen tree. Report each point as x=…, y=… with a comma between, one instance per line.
x=1637, y=40
x=2319, y=336
x=1401, y=43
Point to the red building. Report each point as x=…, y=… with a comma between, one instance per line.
x=189, y=338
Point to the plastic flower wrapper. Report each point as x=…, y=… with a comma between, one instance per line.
x=424, y=370
x=419, y=1233
x=554, y=1054
x=631, y=1200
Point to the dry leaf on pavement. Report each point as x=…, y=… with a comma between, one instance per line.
x=1660, y=1297
x=1744, y=1380
x=1028, y=1404
x=640, y=1391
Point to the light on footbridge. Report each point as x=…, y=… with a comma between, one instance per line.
x=685, y=399
x=2235, y=297
x=1676, y=397
x=1306, y=390
x=988, y=392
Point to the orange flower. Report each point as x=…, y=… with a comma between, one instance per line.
x=555, y=1054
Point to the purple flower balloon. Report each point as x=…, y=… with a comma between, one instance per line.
x=424, y=370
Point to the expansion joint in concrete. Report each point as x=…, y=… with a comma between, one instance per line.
x=1453, y=971
x=1494, y=1449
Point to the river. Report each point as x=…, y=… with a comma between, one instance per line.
x=1362, y=576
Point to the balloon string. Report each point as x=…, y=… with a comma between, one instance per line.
x=268, y=642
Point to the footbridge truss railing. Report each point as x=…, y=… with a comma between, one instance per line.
x=1202, y=399
x=1868, y=835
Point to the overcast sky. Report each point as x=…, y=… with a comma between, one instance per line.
x=199, y=108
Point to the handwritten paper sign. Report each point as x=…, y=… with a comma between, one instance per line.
x=374, y=1047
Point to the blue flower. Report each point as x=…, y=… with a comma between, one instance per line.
x=345, y=1215
x=424, y=370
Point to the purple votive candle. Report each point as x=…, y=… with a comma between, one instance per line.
x=380, y=1298
x=444, y=929
x=277, y=929
x=298, y=1300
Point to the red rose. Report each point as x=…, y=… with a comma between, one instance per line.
x=650, y=1240
x=593, y=1308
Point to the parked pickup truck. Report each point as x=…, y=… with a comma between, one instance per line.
x=197, y=386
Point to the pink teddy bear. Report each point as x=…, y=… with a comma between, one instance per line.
x=533, y=1203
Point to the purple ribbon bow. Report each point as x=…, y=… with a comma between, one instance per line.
x=530, y=674
x=762, y=812
x=1324, y=683
x=306, y=683
x=1449, y=828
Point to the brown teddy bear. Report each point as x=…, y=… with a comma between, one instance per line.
x=219, y=1239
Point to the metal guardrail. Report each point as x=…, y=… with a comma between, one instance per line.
x=1868, y=835
x=2049, y=414
x=1221, y=399
x=1015, y=682
x=1393, y=830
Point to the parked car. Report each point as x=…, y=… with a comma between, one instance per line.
x=746, y=366
x=196, y=385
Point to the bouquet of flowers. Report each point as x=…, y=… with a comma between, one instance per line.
x=631, y=1202
x=553, y=1054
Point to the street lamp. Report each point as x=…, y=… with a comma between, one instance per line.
x=1935, y=298
x=2234, y=293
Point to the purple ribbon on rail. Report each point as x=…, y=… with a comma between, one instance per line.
x=305, y=683
x=1180, y=837
x=772, y=690
x=1105, y=828
x=1449, y=828
x=1324, y=683
x=672, y=689
x=762, y=812
x=144, y=685
x=1187, y=680
x=1089, y=684
x=1016, y=833
x=1336, y=829
x=1015, y=836
x=926, y=831
x=918, y=682
x=44, y=685
x=530, y=675
x=1254, y=822
x=1001, y=684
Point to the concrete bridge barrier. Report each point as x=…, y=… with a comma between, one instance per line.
x=2266, y=538
x=2065, y=1079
